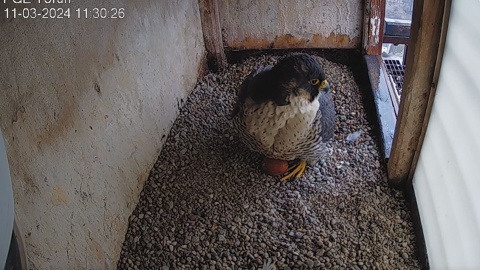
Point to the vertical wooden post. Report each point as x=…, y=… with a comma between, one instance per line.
x=436, y=75
x=419, y=85
x=373, y=26
x=212, y=34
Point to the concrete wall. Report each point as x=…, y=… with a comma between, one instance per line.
x=248, y=24
x=85, y=105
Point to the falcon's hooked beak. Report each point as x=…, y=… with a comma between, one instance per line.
x=324, y=86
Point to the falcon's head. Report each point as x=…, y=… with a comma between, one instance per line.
x=298, y=75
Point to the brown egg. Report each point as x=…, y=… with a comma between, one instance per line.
x=274, y=167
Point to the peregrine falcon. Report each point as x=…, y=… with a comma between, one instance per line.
x=286, y=112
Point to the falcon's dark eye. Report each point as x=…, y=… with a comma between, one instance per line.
x=314, y=81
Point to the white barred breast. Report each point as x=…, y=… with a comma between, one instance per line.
x=280, y=130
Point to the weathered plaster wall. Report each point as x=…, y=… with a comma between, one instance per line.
x=85, y=105
x=250, y=24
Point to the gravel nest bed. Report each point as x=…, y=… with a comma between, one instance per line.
x=208, y=205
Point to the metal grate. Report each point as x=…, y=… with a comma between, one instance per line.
x=396, y=71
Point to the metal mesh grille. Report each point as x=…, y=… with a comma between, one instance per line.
x=396, y=71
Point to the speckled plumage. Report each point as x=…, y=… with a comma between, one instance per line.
x=283, y=116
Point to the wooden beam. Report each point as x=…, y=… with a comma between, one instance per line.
x=373, y=26
x=422, y=61
x=397, y=28
x=396, y=40
x=212, y=34
x=436, y=75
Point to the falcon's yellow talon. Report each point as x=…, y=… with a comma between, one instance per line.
x=298, y=171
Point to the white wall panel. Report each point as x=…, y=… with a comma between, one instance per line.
x=447, y=178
